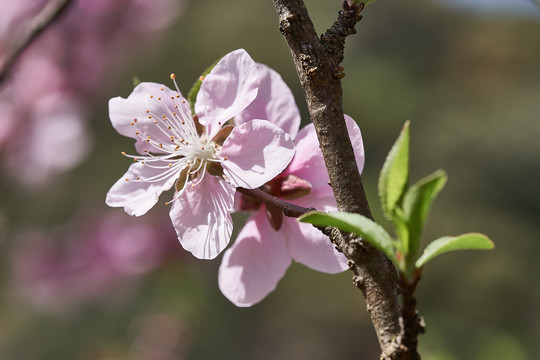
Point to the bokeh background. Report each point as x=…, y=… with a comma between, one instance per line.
x=79, y=280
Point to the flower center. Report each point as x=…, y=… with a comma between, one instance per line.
x=177, y=146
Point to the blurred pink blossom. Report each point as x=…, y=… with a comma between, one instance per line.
x=206, y=162
x=254, y=264
x=71, y=62
x=91, y=258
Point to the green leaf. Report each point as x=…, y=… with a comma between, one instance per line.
x=360, y=225
x=192, y=94
x=473, y=241
x=395, y=173
x=416, y=204
x=136, y=81
x=402, y=231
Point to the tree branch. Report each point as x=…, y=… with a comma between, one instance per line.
x=48, y=15
x=288, y=209
x=317, y=63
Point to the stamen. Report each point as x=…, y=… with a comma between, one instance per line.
x=173, y=78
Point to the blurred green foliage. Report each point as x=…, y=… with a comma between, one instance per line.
x=470, y=84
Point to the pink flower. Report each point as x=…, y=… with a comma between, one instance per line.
x=206, y=162
x=71, y=61
x=90, y=258
x=254, y=264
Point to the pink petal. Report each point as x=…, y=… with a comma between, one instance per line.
x=123, y=112
x=308, y=162
x=256, y=152
x=309, y=246
x=137, y=197
x=228, y=89
x=321, y=200
x=201, y=217
x=357, y=142
x=274, y=102
x=253, y=266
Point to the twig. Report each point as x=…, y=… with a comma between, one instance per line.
x=317, y=63
x=288, y=209
x=50, y=12
x=413, y=325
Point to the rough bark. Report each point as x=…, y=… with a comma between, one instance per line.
x=317, y=62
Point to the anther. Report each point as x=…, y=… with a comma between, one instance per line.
x=201, y=78
x=126, y=179
x=151, y=96
x=173, y=76
x=123, y=153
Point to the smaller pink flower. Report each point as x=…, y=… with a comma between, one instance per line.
x=254, y=264
x=90, y=258
x=204, y=158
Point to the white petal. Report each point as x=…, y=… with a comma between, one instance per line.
x=201, y=217
x=274, y=102
x=228, y=89
x=256, y=152
x=138, y=196
x=133, y=110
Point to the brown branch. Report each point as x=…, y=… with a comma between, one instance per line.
x=48, y=15
x=413, y=325
x=317, y=63
x=288, y=209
